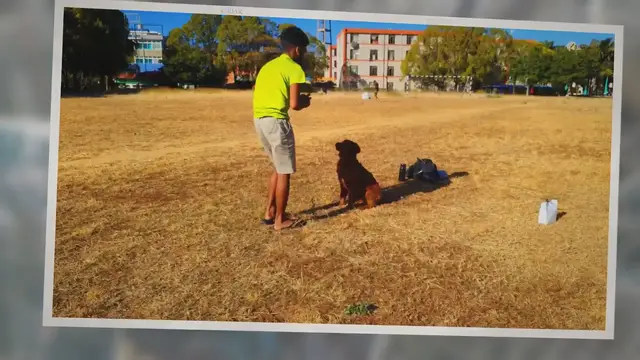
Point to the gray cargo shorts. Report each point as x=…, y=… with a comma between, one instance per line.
x=276, y=136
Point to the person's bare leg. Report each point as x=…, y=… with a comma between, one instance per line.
x=270, y=213
x=282, y=197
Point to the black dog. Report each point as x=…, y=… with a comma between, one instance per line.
x=356, y=182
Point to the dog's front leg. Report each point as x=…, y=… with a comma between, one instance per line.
x=344, y=193
x=350, y=203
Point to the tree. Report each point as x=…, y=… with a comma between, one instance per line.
x=590, y=62
x=606, y=57
x=492, y=57
x=96, y=46
x=317, y=58
x=184, y=62
x=533, y=66
x=209, y=45
x=566, y=68
x=449, y=51
x=242, y=41
x=191, y=51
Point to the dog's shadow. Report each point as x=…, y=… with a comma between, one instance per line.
x=390, y=195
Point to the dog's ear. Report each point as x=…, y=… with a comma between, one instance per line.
x=356, y=148
x=338, y=146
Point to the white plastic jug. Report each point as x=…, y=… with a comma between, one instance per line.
x=548, y=213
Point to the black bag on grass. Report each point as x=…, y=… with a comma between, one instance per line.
x=424, y=170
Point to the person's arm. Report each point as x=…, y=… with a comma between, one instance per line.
x=295, y=97
x=298, y=81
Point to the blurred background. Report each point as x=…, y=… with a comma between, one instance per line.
x=25, y=59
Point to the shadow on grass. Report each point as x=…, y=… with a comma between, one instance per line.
x=98, y=94
x=561, y=214
x=390, y=195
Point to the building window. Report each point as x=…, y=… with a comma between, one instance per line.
x=373, y=70
x=353, y=54
x=157, y=45
x=353, y=38
x=146, y=45
x=390, y=86
x=409, y=39
x=335, y=63
x=392, y=39
x=333, y=52
x=353, y=70
x=391, y=55
x=147, y=61
x=390, y=71
x=139, y=61
x=373, y=55
x=374, y=39
x=335, y=74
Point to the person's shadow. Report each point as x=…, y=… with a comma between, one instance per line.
x=390, y=194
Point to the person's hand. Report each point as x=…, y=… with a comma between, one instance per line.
x=305, y=101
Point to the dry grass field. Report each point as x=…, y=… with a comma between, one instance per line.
x=160, y=196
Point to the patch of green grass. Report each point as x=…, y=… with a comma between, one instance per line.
x=360, y=309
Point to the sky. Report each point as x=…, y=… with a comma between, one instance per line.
x=164, y=22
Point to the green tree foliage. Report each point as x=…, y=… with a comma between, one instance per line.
x=191, y=50
x=493, y=51
x=95, y=47
x=606, y=52
x=493, y=56
x=208, y=47
x=243, y=43
x=443, y=51
x=534, y=66
x=483, y=54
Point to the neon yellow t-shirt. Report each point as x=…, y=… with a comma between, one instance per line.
x=271, y=92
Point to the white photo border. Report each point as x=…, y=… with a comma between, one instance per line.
x=54, y=135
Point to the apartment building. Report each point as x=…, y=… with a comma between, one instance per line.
x=361, y=56
x=148, y=55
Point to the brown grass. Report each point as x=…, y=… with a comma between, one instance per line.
x=160, y=195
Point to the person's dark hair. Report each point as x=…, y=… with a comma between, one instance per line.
x=293, y=37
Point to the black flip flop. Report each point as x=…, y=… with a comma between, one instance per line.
x=267, y=221
x=273, y=221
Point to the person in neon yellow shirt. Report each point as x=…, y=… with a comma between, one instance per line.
x=279, y=87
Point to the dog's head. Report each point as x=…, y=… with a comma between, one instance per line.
x=347, y=149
